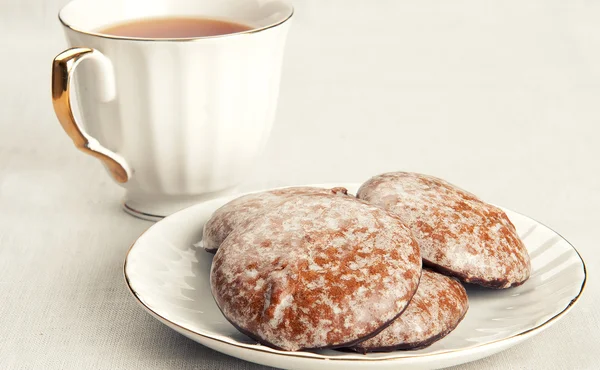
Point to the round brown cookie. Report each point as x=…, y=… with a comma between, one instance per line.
x=436, y=309
x=316, y=271
x=246, y=208
x=459, y=234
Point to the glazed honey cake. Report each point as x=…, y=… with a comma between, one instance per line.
x=459, y=234
x=316, y=271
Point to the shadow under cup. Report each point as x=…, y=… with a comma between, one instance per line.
x=176, y=120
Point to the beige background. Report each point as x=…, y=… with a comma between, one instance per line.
x=501, y=97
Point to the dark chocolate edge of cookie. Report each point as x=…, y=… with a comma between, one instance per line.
x=334, y=346
x=493, y=284
x=378, y=330
x=409, y=346
x=385, y=325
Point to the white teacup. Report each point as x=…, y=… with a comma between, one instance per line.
x=174, y=121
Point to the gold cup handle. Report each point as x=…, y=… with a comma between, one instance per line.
x=62, y=69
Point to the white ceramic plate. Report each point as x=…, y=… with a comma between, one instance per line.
x=170, y=279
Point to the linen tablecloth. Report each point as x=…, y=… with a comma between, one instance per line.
x=499, y=97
